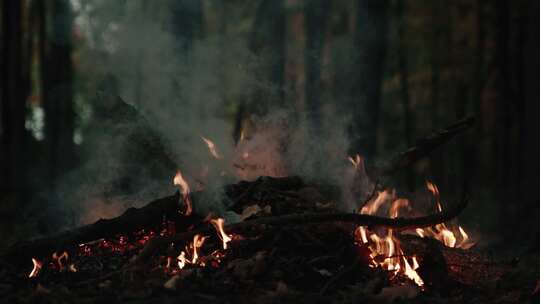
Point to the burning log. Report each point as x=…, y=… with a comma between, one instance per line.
x=310, y=218
x=424, y=146
x=132, y=219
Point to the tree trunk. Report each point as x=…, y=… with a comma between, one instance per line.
x=404, y=86
x=437, y=161
x=315, y=20
x=267, y=42
x=520, y=100
x=13, y=133
x=528, y=214
x=187, y=23
x=478, y=89
x=504, y=109
x=370, y=40
x=57, y=79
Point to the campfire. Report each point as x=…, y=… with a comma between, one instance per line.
x=287, y=233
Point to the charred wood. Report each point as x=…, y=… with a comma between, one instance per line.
x=310, y=218
x=132, y=219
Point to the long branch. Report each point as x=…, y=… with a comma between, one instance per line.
x=310, y=218
x=424, y=146
x=131, y=220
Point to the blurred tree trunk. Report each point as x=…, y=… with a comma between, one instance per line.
x=528, y=215
x=138, y=74
x=437, y=161
x=479, y=79
x=370, y=41
x=315, y=20
x=267, y=42
x=13, y=132
x=463, y=62
x=187, y=23
x=478, y=89
x=504, y=109
x=57, y=84
x=520, y=100
x=404, y=86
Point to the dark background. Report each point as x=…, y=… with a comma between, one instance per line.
x=400, y=68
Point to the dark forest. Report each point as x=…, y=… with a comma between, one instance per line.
x=253, y=104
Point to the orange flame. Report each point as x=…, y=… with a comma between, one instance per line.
x=396, y=205
x=37, y=267
x=386, y=252
x=357, y=161
x=212, y=148
x=373, y=206
x=218, y=224
x=184, y=189
x=242, y=135
x=182, y=261
x=442, y=232
x=198, y=241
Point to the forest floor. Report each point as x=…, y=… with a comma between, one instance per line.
x=319, y=263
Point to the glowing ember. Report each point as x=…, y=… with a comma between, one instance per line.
x=37, y=267
x=60, y=260
x=184, y=189
x=218, y=224
x=169, y=263
x=212, y=148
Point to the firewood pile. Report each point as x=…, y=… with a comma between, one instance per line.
x=290, y=244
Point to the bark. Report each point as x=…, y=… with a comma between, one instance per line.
x=370, y=41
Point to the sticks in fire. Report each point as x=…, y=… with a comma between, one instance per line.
x=310, y=218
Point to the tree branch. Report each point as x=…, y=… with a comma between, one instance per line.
x=424, y=146
x=132, y=219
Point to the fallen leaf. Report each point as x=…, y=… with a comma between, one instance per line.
x=175, y=281
x=404, y=292
x=250, y=211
